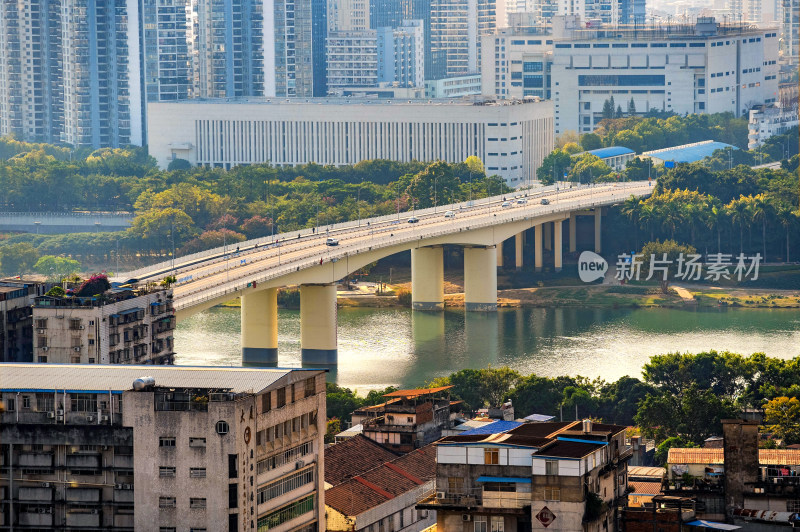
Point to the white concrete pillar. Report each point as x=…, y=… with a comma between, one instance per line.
x=548, y=236
x=427, y=278
x=318, y=324
x=557, y=227
x=573, y=232
x=537, y=255
x=480, y=279
x=598, y=248
x=500, y=255
x=260, y=327
x=518, y=246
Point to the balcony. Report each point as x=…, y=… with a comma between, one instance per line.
x=36, y=519
x=477, y=500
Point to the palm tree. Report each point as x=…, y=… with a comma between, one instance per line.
x=788, y=218
x=760, y=208
x=714, y=218
x=739, y=212
x=648, y=216
x=630, y=209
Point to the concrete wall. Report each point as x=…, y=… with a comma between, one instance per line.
x=59, y=223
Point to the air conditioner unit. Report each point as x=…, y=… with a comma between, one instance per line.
x=45, y=484
x=128, y=486
x=51, y=415
x=298, y=464
x=104, y=419
x=440, y=495
x=76, y=349
x=89, y=418
x=81, y=327
x=41, y=510
x=60, y=417
x=41, y=331
x=45, y=348
x=119, y=486
x=466, y=517
x=95, y=512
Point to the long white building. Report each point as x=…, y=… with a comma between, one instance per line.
x=511, y=137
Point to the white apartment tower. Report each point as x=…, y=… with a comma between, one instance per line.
x=456, y=29
x=401, y=54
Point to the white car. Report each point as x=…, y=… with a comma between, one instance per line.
x=413, y=220
x=522, y=201
x=450, y=214
x=505, y=204
x=331, y=242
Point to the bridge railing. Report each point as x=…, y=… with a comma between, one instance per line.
x=238, y=280
x=247, y=247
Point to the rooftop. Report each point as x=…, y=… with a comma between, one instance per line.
x=352, y=101
x=120, y=377
x=492, y=428
x=418, y=392
x=645, y=488
x=352, y=457
x=382, y=483
x=689, y=153
x=645, y=471
x=568, y=449
x=534, y=435
x=611, y=151
x=712, y=456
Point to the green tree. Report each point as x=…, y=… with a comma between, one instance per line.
x=782, y=419
x=179, y=164
x=56, y=268
x=631, y=108
x=588, y=168
x=662, y=451
x=608, y=108
x=341, y=402
x=554, y=165
x=591, y=141
x=18, y=259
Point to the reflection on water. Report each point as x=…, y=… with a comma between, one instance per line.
x=382, y=347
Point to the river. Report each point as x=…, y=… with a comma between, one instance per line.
x=382, y=347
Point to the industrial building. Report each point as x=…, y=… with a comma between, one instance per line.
x=128, y=448
x=510, y=137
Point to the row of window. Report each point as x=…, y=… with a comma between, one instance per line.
x=170, y=471
x=285, y=485
x=170, y=441
x=287, y=428
x=170, y=502
x=288, y=394
x=286, y=513
x=285, y=457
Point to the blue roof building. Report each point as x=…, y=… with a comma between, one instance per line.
x=687, y=153
x=614, y=156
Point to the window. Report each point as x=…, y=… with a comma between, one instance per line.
x=197, y=503
x=480, y=523
x=233, y=495
x=455, y=484
x=167, y=441
x=284, y=457
x=616, y=80
x=793, y=505
x=552, y=493
x=285, y=485
x=551, y=467
x=233, y=465
x=166, y=502
x=266, y=402
x=491, y=456
x=281, y=398
x=506, y=487
x=310, y=386
x=11, y=404
x=286, y=513
x=222, y=427
x=44, y=402
x=26, y=402
x=497, y=523
x=41, y=323
x=83, y=402
x=166, y=471
x=197, y=472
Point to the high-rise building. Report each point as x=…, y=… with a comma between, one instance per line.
x=348, y=15
x=789, y=11
x=165, y=44
x=401, y=54
x=71, y=72
x=352, y=59
x=456, y=29
x=121, y=448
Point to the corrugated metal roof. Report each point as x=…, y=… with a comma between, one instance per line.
x=120, y=377
x=417, y=392
x=717, y=456
x=541, y=418
x=611, y=151
x=497, y=427
x=689, y=153
x=645, y=471
x=644, y=488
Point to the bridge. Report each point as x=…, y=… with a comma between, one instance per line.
x=254, y=270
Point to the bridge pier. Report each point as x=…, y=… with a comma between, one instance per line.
x=519, y=243
x=548, y=236
x=500, y=255
x=318, y=324
x=427, y=278
x=573, y=232
x=260, y=328
x=557, y=230
x=537, y=253
x=480, y=279
x=598, y=214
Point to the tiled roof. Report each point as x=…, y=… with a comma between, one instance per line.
x=383, y=483
x=352, y=457
x=645, y=488
x=410, y=394
x=717, y=456
x=645, y=471
x=120, y=377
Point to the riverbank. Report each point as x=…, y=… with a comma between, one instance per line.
x=597, y=296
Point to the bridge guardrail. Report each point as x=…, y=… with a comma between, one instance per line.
x=233, y=284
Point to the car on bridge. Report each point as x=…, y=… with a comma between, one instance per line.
x=505, y=204
x=413, y=220
x=332, y=242
x=522, y=201
x=450, y=214
x=545, y=201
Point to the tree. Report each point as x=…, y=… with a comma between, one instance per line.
x=341, y=402
x=662, y=451
x=788, y=218
x=56, y=268
x=618, y=114
x=782, y=419
x=18, y=259
x=478, y=388
x=631, y=108
x=553, y=167
x=738, y=211
x=93, y=286
x=608, y=108
x=179, y=164
x=761, y=209
x=588, y=168
x=591, y=141
x=664, y=255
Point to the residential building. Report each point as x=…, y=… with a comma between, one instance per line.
x=161, y=448
x=456, y=30
x=510, y=137
x=348, y=15
x=513, y=476
x=453, y=87
x=119, y=326
x=521, y=65
x=353, y=457
x=616, y=157
x=384, y=498
x=767, y=122
x=391, y=14
x=166, y=34
x=16, y=318
x=352, y=58
x=401, y=54
x=408, y=420
x=789, y=19
x=644, y=483
x=686, y=153
x=665, y=514
x=70, y=72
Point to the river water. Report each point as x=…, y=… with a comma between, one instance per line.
x=382, y=347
